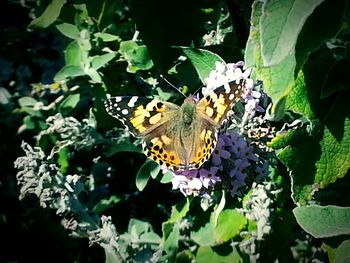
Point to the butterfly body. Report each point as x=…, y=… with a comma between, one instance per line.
x=178, y=137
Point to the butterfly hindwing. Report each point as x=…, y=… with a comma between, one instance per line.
x=166, y=146
x=141, y=115
x=219, y=101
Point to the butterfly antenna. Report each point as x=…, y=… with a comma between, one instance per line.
x=172, y=85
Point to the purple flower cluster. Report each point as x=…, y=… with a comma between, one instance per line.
x=233, y=159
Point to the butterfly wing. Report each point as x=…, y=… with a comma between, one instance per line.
x=141, y=115
x=215, y=105
x=167, y=145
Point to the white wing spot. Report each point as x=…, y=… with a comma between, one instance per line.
x=227, y=88
x=132, y=101
x=118, y=108
x=125, y=111
x=232, y=96
x=118, y=99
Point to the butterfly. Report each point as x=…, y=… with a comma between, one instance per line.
x=178, y=137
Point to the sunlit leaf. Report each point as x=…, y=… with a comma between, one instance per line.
x=202, y=60
x=280, y=24
x=69, y=30
x=49, y=16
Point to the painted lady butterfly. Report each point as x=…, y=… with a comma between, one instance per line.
x=179, y=137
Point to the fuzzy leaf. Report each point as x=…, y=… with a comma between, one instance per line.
x=179, y=210
x=323, y=221
x=148, y=169
x=68, y=71
x=99, y=61
x=136, y=56
x=105, y=204
x=49, y=16
x=107, y=37
x=230, y=223
x=280, y=25
x=202, y=60
x=69, y=103
x=69, y=30
x=73, y=54
x=342, y=254
x=207, y=254
x=171, y=235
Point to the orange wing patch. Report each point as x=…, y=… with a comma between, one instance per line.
x=157, y=150
x=206, y=146
x=218, y=102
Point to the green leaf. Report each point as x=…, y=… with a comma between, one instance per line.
x=179, y=210
x=280, y=25
x=150, y=237
x=342, y=254
x=300, y=157
x=5, y=96
x=205, y=235
x=149, y=168
x=323, y=221
x=137, y=227
x=297, y=101
x=171, y=235
x=49, y=16
x=27, y=104
x=63, y=159
x=218, y=209
x=330, y=252
x=334, y=161
x=202, y=60
x=207, y=254
x=69, y=103
x=230, y=223
x=69, y=30
x=252, y=53
x=136, y=56
x=278, y=79
x=29, y=122
x=105, y=204
x=73, y=54
x=69, y=71
x=111, y=255
x=167, y=177
x=94, y=75
x=99, y=61
x=107, y=37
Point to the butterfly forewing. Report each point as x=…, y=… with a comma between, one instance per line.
x=141, y=115
x=218, y=102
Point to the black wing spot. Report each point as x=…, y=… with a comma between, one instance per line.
x=156, y=148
